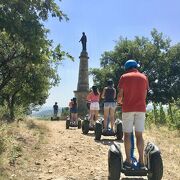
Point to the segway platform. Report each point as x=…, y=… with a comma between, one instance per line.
x=55, y=118
x=71, y=123
x=108, y=132
x=99, y=130
x=86, y=127
x=153, y=163
x=134, y=172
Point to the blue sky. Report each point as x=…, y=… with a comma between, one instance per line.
x=104, y=21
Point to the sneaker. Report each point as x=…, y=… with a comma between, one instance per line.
x=111, y=131
x=104, y=130
x=142, y=166
x=127, y=165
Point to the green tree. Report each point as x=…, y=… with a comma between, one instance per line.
x=158, y=61
x=28, y=61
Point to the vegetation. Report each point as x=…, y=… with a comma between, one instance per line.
x=28, y=60
x=17, y=141
x=159, y=61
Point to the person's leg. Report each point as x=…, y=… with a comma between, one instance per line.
x=96, y=112
x=140, y=146
x=106, y=113
x=92, y=113
x=127, y=145
x=72, y=116
x=127, y=122
x=111, y=112
x=139, y=128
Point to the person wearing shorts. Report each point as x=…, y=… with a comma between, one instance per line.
x=93, y=97
x=73, y=110
x=133, y=87
x=109, y=95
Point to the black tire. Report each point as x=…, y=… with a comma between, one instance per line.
x=51, y=118
x=156, y=167
x=85, y=127
x=79, y=124
x=58, y=118
x=119, y=133
x=114, y=165
x=98, y=131
x=67, y=124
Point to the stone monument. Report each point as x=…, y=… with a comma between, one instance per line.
x=83, y=79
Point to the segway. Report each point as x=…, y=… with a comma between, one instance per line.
x=152, y=157
x=71, y=123
x=86, y=126
x=99, y=130
x=55, y=118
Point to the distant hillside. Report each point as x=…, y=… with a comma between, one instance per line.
x=45, y=112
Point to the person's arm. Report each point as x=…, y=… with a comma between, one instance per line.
x=120, y=97
x=120, y=88
x=114, y=93
x=89, y=97
x=103, y=93
x=80, y=39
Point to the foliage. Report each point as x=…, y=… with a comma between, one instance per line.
x=28, y=60
x=65, y=112
x=158, y=60
x=16, y=141
x=169, y=115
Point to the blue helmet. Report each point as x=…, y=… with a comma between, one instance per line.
x=131, y=64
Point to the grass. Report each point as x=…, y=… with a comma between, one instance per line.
x=17, y=141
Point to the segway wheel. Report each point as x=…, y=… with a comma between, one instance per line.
x=67, y=124
x=114, y=165
x=79, y=124
x=51, y=118
x=119, y=133
x=156, y=167
x=98, y=131
x=85, y=127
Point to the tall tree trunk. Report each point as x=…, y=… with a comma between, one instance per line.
x=11, y=107
x=170, y=112
x=155, y=113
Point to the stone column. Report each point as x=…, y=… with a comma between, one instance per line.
x=83, y=84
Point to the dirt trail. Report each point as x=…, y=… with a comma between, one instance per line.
x=71, y=155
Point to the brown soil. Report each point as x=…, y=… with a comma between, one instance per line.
x=71, y=155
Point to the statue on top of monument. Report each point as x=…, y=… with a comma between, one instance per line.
x=83, y=40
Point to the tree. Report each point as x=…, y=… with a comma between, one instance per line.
x=28, y=61
x=158, y=60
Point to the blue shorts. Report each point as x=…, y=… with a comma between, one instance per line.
x=73, y=110
x=110, y=105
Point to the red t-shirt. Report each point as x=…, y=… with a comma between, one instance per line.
x=135, y=86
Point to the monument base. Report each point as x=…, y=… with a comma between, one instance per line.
x=81, y=101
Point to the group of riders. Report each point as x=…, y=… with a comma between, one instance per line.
x=132, y=91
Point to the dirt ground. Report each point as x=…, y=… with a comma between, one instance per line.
x=71, y=155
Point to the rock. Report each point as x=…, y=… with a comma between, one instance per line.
x=37, y=163
x=50, y=172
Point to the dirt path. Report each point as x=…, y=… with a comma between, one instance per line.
x=71, y=155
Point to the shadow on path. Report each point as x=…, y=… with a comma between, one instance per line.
x=90, y=134
x=108, y=142
x=132, y=178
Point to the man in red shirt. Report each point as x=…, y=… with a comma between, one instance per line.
x=133, y=87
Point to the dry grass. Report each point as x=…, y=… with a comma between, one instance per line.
x=17, y=142
x=25, y=143
x=169, y=144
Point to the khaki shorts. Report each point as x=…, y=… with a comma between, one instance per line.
x=130, y=119
x=94, y=106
